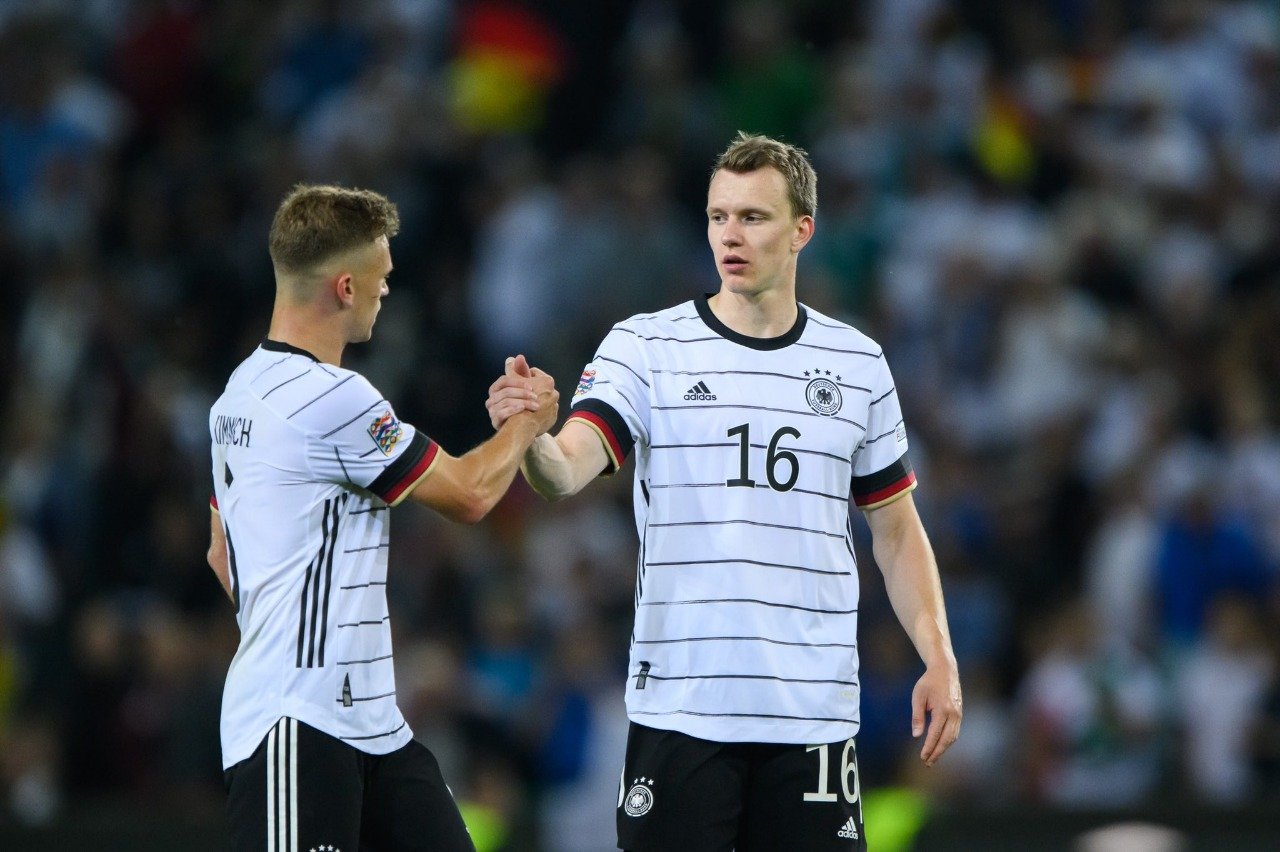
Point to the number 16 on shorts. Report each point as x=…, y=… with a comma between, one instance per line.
x=850, y=785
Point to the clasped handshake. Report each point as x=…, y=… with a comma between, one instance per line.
x=523, y=390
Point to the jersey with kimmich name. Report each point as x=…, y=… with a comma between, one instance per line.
x=307, y=460
x=748, y=452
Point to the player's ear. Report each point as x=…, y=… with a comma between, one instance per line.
x=344, y=288
x=803, y=233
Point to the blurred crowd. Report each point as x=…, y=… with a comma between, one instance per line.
x=1060, y=218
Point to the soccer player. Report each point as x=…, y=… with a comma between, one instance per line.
x=308, y=458
x=755, y=420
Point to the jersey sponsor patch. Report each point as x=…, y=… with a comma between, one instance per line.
x=585, y=381
x=385, y=431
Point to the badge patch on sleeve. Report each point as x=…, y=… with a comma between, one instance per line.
x=585, y=381
x=385, y=431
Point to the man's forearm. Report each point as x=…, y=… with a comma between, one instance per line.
x=224, y=579
x=560, y=466
x=217, y=555
x=911, y=579
x=501, y=457
x=547, y=469
x=470, y=486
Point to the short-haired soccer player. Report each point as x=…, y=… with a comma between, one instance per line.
x=308, y=459
x=755, y=420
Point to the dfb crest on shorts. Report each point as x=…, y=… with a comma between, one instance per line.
x=385, y=431
x=639, y=798
x=823, y=396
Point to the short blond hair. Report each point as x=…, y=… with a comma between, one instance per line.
x=316, y=222
x=749, y=152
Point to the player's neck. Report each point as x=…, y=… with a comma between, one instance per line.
x=296, y=325
x=764, y=315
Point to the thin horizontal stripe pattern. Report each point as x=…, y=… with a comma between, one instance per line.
x=373, y=623
x=764, y=573
x=777, y=678
x=736, y=715
x=876, y=355
x=359, y=698
x=661, y=316
x=800, y=378
x=882, y=397
x=755, y=601
x=758, y=485
x=312, y=464
x=749, y=523
x=698, y=407
x=669, y=339
x=744, y=639
x=753, y=445
x=394, y=730
x=364, y=662
x=369, y=547
x=871, y=441
x=748, y=562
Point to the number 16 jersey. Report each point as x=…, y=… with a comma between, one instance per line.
x=748, y=452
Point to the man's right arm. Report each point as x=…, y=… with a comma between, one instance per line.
x=556, y=466
x=466, y=488
x=559, y=466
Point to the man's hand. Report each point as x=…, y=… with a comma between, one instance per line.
x=938, y=693
x=523, y=389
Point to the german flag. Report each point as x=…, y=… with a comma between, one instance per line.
x=508, y=59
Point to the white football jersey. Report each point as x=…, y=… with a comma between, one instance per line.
x=307, y=460
x=748, y=452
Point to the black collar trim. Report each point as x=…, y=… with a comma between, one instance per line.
x=763, y=343
x=280, y=346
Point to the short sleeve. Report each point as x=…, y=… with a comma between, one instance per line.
x=356, y=439
x=612, y=396
x=882, y=471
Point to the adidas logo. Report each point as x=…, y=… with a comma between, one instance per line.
x=849, y=831
x=700, y=392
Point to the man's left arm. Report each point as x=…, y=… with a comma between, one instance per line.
x=217, y=555
x=910, y=571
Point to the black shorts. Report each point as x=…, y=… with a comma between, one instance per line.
x=303, y=790
x=680, y=792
